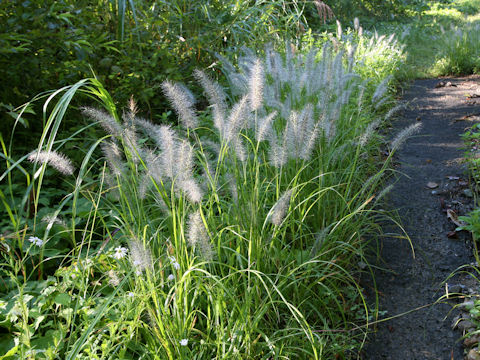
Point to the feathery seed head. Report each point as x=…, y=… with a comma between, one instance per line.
x=140, y=255
x=394, y=110
x=216, y=97
x=198, y=237
x=381, y=90
x=310, y=145
x=256, y=85
x=239, y=148
x=404, y=135
x=182, y=101
x=113, y=278
x=154, y=166
x=108, y=122
x=143, y=186
x=191, y=189
x=339, y=30
x=278, y=150
x=165, y=137
x=184, y=162
x=232, y=185
x=236, y=120
x=113, y=154
x=51, y=219
x=280, y=208
x=384, y=192
x=369, y=132
x=56, y=160
x=265, y=128
x=130, y=139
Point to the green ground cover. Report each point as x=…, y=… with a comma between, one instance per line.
x=198, y=199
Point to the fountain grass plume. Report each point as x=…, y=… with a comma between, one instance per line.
x=197, y=236
x=108, y=122
x=184, y=160
x=279, y=210
x=237, y=120
x=404, y=135
x=154, y=166
x=395, y=110
x=264, y=130
x=183, y=102
x=256, y=79
x=369, y=131
x=130, y=139
x=165, y=137
x=307, y=150
x=58, y=161
x=239, y=149
x=113, y=154
x=191, y=189
x=278, y=153
x=216, y=97
x=140, y=256
x=381, y=90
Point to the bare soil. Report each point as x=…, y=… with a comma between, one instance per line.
x=406, y=282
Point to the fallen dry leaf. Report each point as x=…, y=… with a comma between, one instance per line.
x=467, y=117
x=452, y=234
x=452, y=215
x=432, y=185
x=473, y=96
x=442, y=204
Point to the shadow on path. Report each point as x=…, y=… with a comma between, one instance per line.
x=432, y=155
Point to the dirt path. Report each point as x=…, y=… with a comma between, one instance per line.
x=431, y=156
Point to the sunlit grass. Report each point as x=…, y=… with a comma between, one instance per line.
x=233, y=235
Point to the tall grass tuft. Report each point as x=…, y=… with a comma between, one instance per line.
x=232, y=235
x=460, y=51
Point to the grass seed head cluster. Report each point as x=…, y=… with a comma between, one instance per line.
x=221, y=224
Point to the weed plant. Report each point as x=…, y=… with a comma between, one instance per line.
x=231, y=236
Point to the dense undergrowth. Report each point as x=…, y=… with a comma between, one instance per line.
x=225, y=221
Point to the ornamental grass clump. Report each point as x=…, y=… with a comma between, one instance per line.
x=235, y=231
x=459, y=54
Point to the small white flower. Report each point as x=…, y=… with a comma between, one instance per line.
x=130, y=294
x=174, y=262
x=137, y=263
x=184, y=342
x=138, y=272
x=35, y=240
x=120, y=252
x=171, y=277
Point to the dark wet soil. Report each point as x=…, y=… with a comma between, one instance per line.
x=434, y=155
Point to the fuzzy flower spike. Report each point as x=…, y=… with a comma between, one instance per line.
x=182, y=101
x=56, y=160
